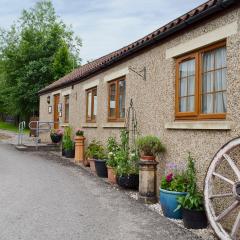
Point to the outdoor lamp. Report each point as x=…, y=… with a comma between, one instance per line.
x=48, y=99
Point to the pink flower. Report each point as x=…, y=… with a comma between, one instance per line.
x=169, y=177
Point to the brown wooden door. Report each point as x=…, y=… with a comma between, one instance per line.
x=56, y=113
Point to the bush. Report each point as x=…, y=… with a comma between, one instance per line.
x=150, y=145
x=95, y=150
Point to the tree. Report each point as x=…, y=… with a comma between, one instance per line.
x=34, y=52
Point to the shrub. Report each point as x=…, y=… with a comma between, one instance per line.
x=79, y=133
x=95, y=150
x=150, y=145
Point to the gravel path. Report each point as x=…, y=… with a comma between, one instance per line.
x=43, y=199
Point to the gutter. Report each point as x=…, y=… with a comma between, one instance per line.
x=220, y=6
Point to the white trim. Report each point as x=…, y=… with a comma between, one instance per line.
x=120, y=73
x=114, y=125
x=199, y=125
x=67, y=92
x=203, y=40
x=91, y=84
x=57, y=92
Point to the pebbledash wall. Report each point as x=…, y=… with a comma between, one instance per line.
x=154, y=99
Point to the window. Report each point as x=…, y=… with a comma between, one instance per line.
x=91, y=105
x=201, y=84
x=116, y=100
x=66, y=104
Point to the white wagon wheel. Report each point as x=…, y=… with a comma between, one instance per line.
x=233, y=193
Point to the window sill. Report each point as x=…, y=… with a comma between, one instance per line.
x=90, y=125
x=64, y=125
x=199, y=125
x=114, y=125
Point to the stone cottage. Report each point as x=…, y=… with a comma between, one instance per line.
x=183, y=78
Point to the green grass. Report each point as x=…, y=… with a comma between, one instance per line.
x=11, y=127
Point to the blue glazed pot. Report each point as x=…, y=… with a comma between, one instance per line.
x=168, y=201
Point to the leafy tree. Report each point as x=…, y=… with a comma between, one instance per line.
x=34, y=52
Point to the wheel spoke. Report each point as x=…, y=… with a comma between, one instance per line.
x=221, y=195
x=233, y=165
x=223, y=178
x=235, y=228
x=227, y=211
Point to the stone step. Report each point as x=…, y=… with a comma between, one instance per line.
x=40, y=147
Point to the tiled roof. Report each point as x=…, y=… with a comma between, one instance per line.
x=88, y=69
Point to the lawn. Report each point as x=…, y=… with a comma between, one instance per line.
x=10, y=127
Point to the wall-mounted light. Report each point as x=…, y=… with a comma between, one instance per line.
x=48, y=99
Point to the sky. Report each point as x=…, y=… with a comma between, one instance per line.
x=105, y=25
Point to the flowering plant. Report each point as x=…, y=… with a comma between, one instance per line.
x=58, y=132
x=79, y=132
x=175, y=179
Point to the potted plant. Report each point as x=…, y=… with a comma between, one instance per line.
x=67, y=143
x=173, y=185
x=127, y=164
x=150, y=147
x=127, y=170
x=95, y=153
x=192, y=204
x=112, y=148
x=56, y=135
x=69, y=149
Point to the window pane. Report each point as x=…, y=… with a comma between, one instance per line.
x=183, y=87
x=191, y=104
x=66, y=109
x=220, y=58
x=183, y=104
x=191, y=85
x=207, y=83
x=208, y=61
x=191, y=67
x=112, y=104
x=183, y=69
x=220, y=102
x=122, y=89
x=207, y=103
x=95, y=103
x=89, y=111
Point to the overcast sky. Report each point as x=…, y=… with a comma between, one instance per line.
x=106, y=25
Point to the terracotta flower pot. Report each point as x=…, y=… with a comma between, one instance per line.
x=148, y=158
x=92, y=165
x=111, y=175
x=86, y=162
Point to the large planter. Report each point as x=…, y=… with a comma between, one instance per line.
x=101, y=168
x=130, y=181
x=69, y=153
x=56, y=138
x=111, y=175
x=194, y=219
x=92, y=165
x=168, y=201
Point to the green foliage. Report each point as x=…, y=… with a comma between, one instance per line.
x=95, y=150
x=177, y=182
x=112, y=149
x=34, y=52
x=79, y=133
x=194, y=199
x=120, y=158
x=67, y=141
x=150, y=145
